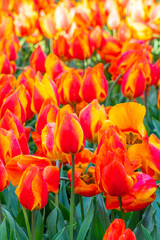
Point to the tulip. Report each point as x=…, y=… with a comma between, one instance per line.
x=27, y=78
x=115, y=180
x=6, y=24
x=47, y=114
x=69, y=136
x=39, y=95
x=32, y=189
x=5, y=66
x=9, y=145
x=118, y=231
x=148, y=154
x=69, y=84
x=111, y=49
x=133, y=82
x=54, y=66
x=10, y=121
x=48, y=145
x=51, y=176
x=7, y=85
x=128, y=117
x=85, y=182
x=37, y=60
x=95, y=83
x=142, y=194
x=61, y=47
x=91, y=118
x=81, y=46
x=4, y=182
x=18, y=164
x=114, y=172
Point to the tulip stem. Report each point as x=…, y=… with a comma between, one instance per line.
x=111, y=89
x=94, y=146
x=74, y=106
x=27, y=222
x=122, y=211
x=1, y=215
x=56, y=194
x=145, y=103
x=82, y=208
x=112, y=215
x=33, y=225
x=72, y=199
x=51, y=45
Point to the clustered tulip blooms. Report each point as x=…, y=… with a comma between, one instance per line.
x=60, y=102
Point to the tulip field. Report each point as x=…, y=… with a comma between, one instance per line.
x=80, y=120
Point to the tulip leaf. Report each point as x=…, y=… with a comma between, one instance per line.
x=3, y=230
x=55, y=223
x=146, y=233
x=86, y=223
x=20, y=233
x=147, y=221
x=39, y=226
x=100, y=220
x=10, y=220
x=133, y=220
x=156, y=125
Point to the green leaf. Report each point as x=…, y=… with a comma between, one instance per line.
x=10, y=220
x=86, y=223
x=39, y=227
x=21, y=234
x=156, y=125
x=147, y=221
x=146, y=233
x=100, y=220
x=134, y=220
x=55, y=223
x=3, y=230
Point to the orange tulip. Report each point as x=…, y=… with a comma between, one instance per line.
x=114, y=173
x=32, y=189
x=142, y=194
x=5, y=66
x=51, y=176
x=133, y=82
x=7, y=85
x=39, y=95
x=128, y=117
x=24, y=20
x=6, y=24
x=47, y=114
x=111, y=49
x=48, y=145
x=10, y=47
x=94, y=83
x=69, y=136
x=69, y=84
x=37, y=60
x=118, y=231
x=4, y=182
x=85, y=182
x=9, y=146
x=81, y=46
x=10, y=121
x=18, y=164
x=148, y=152
x=61, y=47
x=91, y=118
x=18, y=103
x=54, y=66
x=47, y=25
